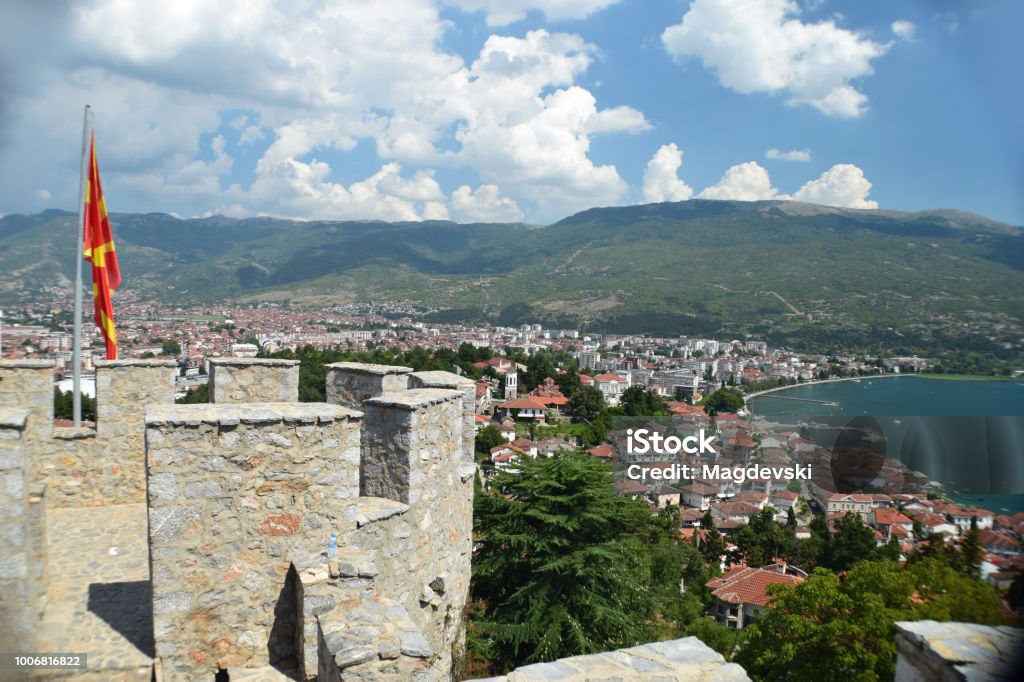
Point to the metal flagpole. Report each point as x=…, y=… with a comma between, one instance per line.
x=76, y=356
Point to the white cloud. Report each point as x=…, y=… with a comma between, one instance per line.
x=792, y=155
x=759, y=46
x=504, y=12
x=43, y=194
x=300, y=88
x=386, y=195
x=743, y=182
x=841, y=185
x=485, y=204
x=904, y=30
x=661, y=178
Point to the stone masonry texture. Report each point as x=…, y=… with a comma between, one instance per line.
x=351, y=383
x=413, y=452
x=930, y=651
x=234, y=491
x=17, y=593
x=253, y=380
x=680, y=660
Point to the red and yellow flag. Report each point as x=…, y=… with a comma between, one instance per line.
x=99, y=250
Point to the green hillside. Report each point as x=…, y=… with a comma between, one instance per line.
x=807, y=275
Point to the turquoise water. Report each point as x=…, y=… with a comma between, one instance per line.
x=967, y=435
x=906, y=395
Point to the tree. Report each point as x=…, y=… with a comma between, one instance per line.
x=200, y=395
x=761, y=540
x=640, y=403
x=586, y=402
x=816, y=631
x=830, y=629
x=560, y=567
x=724, y=400
x=64, y=405
x=971, y=549
x=171, y=347
x=851, y=542
x=714, y=544
x=488, y=438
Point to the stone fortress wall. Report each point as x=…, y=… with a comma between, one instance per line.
x=242, y=494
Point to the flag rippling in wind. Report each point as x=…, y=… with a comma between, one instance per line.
x=99, y=250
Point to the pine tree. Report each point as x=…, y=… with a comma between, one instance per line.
x=714, y=544
x=562, y=565
x=971, y=549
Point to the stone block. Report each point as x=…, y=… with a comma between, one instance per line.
x=251, y=380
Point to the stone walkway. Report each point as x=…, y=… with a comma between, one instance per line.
x=98, y=595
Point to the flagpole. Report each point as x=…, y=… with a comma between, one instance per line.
x=76, y=356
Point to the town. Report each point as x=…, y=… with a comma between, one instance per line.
x=521, y=415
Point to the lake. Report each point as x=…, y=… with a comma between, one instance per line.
x=967, y=435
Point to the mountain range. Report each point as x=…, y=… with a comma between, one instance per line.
x=802, y=274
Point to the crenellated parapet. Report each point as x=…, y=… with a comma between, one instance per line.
x=253, y=380
x=235, y=491
x=352, y=383
x=18, y=587
x=242, y=498
x=241, y=495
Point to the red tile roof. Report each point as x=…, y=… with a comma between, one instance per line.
x=745, y=585
x=887, y=517
x=523, y=404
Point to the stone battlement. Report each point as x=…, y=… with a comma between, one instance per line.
x=242, y=494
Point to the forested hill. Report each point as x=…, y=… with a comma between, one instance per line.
x=806, y=274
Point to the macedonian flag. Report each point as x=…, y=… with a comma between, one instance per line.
x=99, y=250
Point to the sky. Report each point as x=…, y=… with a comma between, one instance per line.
x=512, y=110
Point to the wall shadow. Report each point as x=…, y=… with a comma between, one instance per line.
x=126, y=607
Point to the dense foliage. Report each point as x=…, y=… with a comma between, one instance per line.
x=828, y=628
x=64, y=407
x=563, y=566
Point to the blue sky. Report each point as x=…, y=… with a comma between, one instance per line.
x=513, y=109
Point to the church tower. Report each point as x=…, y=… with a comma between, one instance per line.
x=511, y=384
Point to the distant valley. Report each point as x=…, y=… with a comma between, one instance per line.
x=805, y=275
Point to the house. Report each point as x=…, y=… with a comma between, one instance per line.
x=734, y=511
x=998, y=542
x=889, y=521
x=630, y=489
x=547, y=392
x=523, y=408
x=663, y=495
x=754, y=499
x=526, y=445
x=840, y=503
x=739, y=446
x=604, y=451
x=962, y=518
x=690, y=517
x=741, y=594
x=612, y=386
x=784, y=500
x=508, y=429
x=932, y=523
x=699, y=495
x=552, y=446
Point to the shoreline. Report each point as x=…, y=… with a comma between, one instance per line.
x=869, y=377
x=751, y=396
